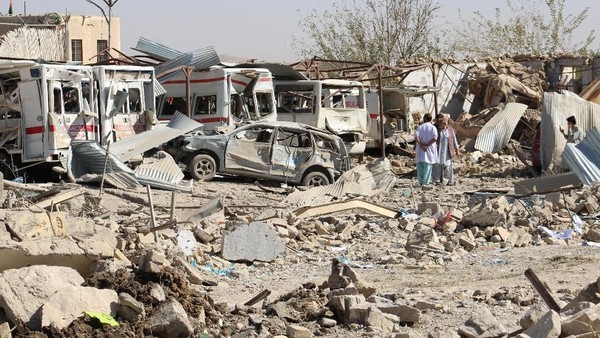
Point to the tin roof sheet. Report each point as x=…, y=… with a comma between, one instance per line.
x=156, y=50
x=546, y=184
x=556, y=108
x=496, y=133
x=583, y=159
x=199, y=59
x=126, y=149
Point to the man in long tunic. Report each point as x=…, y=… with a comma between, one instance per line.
x=447, y=149
x=427, y=155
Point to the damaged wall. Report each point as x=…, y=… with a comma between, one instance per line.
x=453, y=97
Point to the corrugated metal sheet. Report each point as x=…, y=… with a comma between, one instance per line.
x=164, y=172
x=545, y=184
x=85, y=163
x=199, y=59
x=125, y=149
x=156, y=50
x=583, y=159
x=555, y=110
x=159, y=89
x=33, y=43
x=366, y=180
x=496, y=133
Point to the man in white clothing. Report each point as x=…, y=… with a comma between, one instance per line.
x=427, y=154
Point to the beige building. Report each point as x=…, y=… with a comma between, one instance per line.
x=56, y=37
x=87, y=36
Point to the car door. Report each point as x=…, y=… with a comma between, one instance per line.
x=249, y=150
x=291, y=149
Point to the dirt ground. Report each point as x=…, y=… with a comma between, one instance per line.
x=487, y=276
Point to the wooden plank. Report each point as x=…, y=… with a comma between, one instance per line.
x=59, y=198
x=342, y=206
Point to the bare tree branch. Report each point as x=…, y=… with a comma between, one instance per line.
x=531, y=27
x=372, y=31
x=100, y=8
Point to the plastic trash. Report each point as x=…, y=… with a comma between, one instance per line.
x=221, y=272
x=349, y=263
x=577, y=224
x=565, y=234
x=187, y=242
x=103, y=318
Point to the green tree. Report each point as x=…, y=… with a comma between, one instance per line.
x=530, y=27
x=372, y=31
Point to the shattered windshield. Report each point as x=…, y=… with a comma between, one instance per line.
x=341, y=97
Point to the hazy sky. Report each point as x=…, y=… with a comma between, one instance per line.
x=261, y=29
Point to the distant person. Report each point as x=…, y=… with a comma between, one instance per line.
x=426, y=137
x=438, y=123
x=448, y=148
x=573, y=135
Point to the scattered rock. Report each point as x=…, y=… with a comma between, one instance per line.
x=130, y=309
x=482, y=325
x=255, y=241
x=69, y=302
x=24, y=290
x=297, y=331
x=548, y=326
x=170, y=320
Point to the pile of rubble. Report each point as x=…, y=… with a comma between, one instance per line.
x=578, y=318
x=122, y=265
x=507, y=81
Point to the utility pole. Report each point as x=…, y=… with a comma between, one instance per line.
x=108, y=18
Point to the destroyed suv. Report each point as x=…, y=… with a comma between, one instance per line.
x=280, y=151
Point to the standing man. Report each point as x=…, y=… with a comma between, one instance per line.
x=573, y=135
x=426, y=137
x=447, y=149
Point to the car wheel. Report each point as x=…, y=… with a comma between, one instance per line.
x=315, y=179
x=203, y=167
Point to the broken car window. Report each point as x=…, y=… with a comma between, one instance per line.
x=173, y=104
x=294, y=139
x=205, y=105
x=259, y=134
x=135, y=103
x=324, y=143
x=264, y=103
x=71, y=99
x=291, y=99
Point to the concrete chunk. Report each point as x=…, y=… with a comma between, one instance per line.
x=407, y=314
x=482, y=325
x=86, y=243
x=23, y=291
x=548, y=326
x=256, y=241
x=170, y=320
x=192, y=273
x=297, y=331
x=154, y=262
x=130, y=308
x=583, y=321
x=383, y=321
x=68, y=304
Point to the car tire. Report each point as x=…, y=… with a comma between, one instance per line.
x=202, y=167
x=315, y=179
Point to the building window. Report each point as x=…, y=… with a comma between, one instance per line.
x=100, y=46
x=76, y=50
